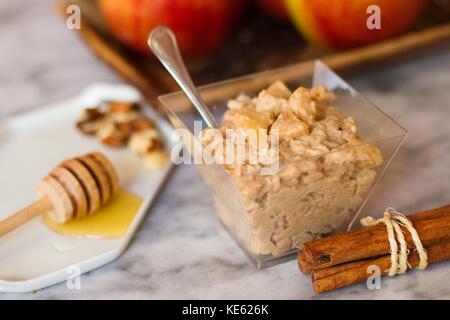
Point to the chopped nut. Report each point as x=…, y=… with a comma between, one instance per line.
x=90, y=114
x=145, y=141
x=289, y=126
x=118, y=106
x=88, y=128
x=124, y=116
x=106, y=128
x=114, y=141
x=89, y=120
x=118, y=123
x=142, y=123
x=125, y=128
x=111, y=136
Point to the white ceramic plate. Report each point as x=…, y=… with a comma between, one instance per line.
x=33, y=256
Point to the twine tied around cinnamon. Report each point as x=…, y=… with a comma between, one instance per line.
x=393, y=221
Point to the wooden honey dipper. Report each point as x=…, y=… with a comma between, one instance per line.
x=75, y=188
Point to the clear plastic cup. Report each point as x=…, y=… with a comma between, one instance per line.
x=245, y=226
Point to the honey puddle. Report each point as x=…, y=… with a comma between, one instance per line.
x=109, y=222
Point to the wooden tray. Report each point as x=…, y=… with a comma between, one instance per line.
x=259, y=44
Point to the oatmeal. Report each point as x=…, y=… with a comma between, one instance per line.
x=324, y=172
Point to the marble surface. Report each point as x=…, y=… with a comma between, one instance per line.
x=181, y=250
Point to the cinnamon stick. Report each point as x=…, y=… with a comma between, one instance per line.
x=303, y=263
x=432, y=226
x=339, y=276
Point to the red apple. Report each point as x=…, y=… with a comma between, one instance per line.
x=343, y=23
x=275, y=8
x=200, y=25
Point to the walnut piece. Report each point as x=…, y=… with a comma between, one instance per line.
x=122, y=107
x=145, y=141
x=89, y=121
x=118, y=123
x=110, y=135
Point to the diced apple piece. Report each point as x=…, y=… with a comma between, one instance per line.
x=289, y=126
x=241, y=102
x=365, y=155
x=301, y=104
x=322, y=97
x=278, y=89
x=270, y=103
x=242, y=119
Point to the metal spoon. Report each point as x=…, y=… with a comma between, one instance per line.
x=164, y=45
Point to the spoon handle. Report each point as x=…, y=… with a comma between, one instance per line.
x=164, y=45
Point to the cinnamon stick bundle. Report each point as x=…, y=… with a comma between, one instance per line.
x=432, y=226
x=342, y=260
x=343, y=275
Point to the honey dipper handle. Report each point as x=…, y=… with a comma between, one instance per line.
x=24, y=215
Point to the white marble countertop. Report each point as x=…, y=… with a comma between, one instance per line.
x=182, y=251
